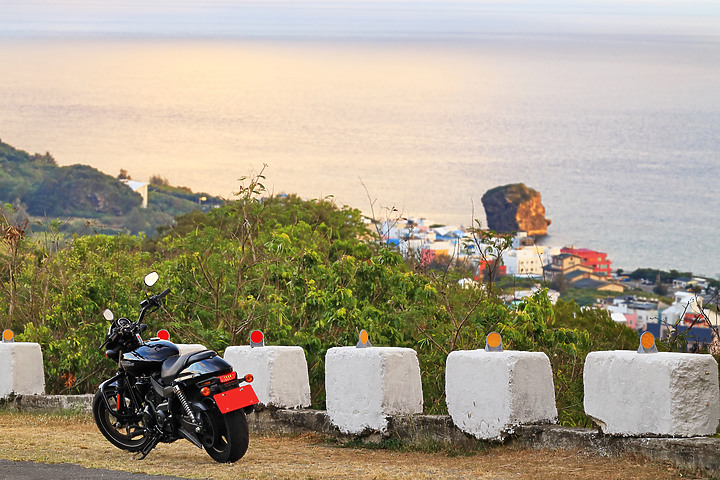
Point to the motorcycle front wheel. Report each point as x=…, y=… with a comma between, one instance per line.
x=130, y=436
x=225, y=437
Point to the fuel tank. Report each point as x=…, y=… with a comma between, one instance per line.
x=148, y=357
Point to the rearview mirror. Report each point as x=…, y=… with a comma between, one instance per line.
x=108, y=315
x=151, y=278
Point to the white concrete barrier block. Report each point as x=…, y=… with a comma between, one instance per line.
x=364, y=386
x=281, y=373
x=632, y=394
x=489, y=393
x=21, y=369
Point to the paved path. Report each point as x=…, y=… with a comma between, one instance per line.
x=10, y=470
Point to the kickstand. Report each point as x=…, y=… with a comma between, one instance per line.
x=145, y=450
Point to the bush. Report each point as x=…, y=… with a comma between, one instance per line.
x=307, y=273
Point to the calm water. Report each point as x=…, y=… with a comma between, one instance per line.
x=613, y=115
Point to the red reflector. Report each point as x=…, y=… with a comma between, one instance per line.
x=256, y=336
x=163, y=334
x=249, y=378
x=205, y=391
x=228, y=377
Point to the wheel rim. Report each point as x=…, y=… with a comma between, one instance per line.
x=129, y=434
x=214, y=435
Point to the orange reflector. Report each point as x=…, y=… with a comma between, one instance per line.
x=8, y=335
x=163, y=334
x=205, y=391
x=494, y=340
x=363, y=340
x=229, y=377
x=249, y=378
x=647, y=343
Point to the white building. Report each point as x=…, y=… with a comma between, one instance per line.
x=637, y=313
x=688, y=307
x=528, y=260
x=139, y=187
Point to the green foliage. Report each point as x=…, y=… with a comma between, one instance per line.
x=585, y=297
x=174, y=201
x=61, y=296
x=21, y=173
x=81, y=191
x=652, y=274
x=307, y=273
x=87, y=200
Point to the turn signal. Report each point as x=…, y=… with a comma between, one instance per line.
x=249, y=378
x=205, y=391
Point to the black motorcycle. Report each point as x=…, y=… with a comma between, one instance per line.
x=161, y=396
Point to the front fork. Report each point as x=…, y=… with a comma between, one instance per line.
x=122, y=390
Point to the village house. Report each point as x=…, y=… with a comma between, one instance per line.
x=598, y=261
x=564, y=264
x=687, y=309
x=635, y=313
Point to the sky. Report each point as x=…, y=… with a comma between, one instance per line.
x=352, y=18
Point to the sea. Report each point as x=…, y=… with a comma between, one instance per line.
x=609, y=108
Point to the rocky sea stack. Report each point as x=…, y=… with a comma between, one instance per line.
x=515, y=208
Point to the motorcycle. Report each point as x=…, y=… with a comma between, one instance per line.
x=159, y=395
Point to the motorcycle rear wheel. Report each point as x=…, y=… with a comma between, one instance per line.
x=124, y=435
x=225, y=437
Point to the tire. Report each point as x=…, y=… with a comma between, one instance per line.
x=128, y=436
x=225, y=437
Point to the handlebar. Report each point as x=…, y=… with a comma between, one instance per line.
x=150, y=304
x=162, y=295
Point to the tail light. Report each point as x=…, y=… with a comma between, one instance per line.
x=229, y=377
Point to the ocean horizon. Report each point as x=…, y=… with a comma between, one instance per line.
x=609, y=109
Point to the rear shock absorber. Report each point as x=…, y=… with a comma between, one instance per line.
x=184, y=402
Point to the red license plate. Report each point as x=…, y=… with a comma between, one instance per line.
x=236, y=398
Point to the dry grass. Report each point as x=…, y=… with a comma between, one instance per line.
x=75, y=439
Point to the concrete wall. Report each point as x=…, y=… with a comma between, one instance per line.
x=281, y=373
x=364, y=386
x=21, y=369
x=489, y=393
x=633, y=394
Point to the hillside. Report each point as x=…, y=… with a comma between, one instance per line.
x=80, y=195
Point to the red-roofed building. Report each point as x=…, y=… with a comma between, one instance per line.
x=597, y=260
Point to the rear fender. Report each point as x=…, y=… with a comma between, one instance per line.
x=202, y=370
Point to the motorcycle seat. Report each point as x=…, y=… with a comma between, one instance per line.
x=172, y=367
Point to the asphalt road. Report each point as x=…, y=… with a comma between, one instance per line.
x=10, y=470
